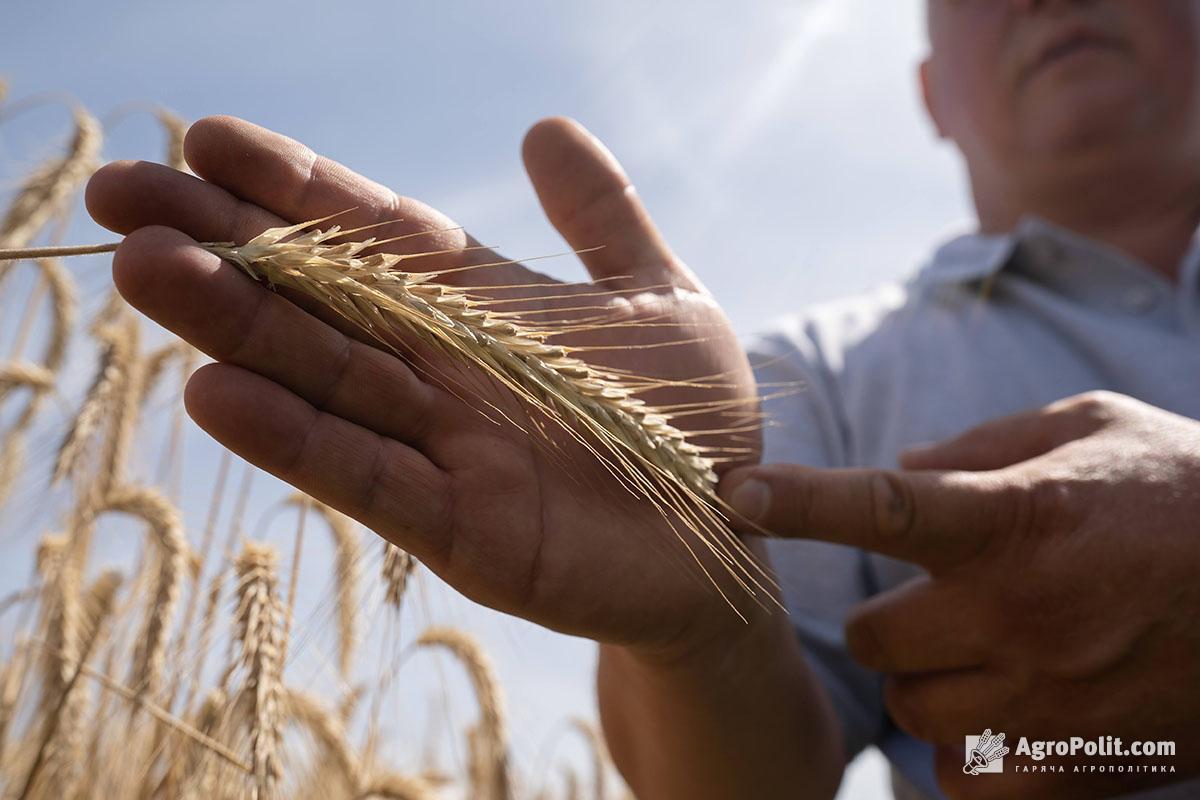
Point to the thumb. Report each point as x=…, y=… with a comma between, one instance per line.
x=589, y=200
x=1006, y=441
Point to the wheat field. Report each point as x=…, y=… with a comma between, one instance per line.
x=171, y=674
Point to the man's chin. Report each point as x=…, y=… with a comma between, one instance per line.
x=1087, y=119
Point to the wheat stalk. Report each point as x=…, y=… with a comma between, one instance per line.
x=259, y=622
x=346, y=575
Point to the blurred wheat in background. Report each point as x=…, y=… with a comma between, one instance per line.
x=169, y=675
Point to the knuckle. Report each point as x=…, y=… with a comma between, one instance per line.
x=892, y=507
x=1096, y=406
x=339, y=376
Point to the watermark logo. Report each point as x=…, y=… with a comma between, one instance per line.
x=985, y=753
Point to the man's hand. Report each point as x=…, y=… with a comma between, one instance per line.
x=1062, y=599
x=539, y=531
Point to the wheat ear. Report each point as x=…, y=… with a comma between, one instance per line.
x=39, y=378
x=165, y=529
x=259, y=623
x=62, y=747
x=394, y=786
x=397, y=568
x=48, y=190
x=489, y=740
x=327, y=729
x=637, y=443
x=176, y=129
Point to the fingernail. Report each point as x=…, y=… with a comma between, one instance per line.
x=751, y=499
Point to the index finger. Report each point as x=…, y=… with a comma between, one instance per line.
x=934, y=519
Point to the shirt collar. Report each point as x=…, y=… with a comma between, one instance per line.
x=1037, y=248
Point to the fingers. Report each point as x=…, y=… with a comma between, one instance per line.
x=292, y=182
x=590, y=201
x=920, y=626
x=386, y=485
x=932, y=519
x=1020, y=437
x=126, y=195
x=208, y=302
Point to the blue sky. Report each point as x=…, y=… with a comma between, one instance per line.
x=780, y=146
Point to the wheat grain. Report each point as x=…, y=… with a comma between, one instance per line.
x=259, y=625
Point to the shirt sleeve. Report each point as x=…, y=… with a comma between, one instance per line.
x=806, y=425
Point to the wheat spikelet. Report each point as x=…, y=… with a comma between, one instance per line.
x=394, y=786
x=346, y=574
x=489, y=740
x=327, y=729
x=166, y=529
x=397, y=568
x=259, y=623
x=48, y=190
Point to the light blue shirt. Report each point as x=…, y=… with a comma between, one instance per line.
x=993, y=325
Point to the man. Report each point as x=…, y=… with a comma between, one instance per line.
x=1037, y=611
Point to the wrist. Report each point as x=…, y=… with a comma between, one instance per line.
x=718, y=644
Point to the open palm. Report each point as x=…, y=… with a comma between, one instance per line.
x=542, y=533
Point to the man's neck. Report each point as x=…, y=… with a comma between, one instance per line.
x=1152, y=221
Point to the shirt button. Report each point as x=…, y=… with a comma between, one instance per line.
x=1139, y=299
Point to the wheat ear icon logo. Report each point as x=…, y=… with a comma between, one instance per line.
x=987, y=748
